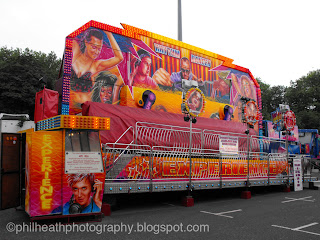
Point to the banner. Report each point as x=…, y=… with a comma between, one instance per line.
x=166, y=167
x=297, y=174
x=43, y=172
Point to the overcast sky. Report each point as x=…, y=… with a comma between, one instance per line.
x=278, y=40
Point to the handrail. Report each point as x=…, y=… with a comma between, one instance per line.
x=126, y=132
x=124, y=149
x=154, y=133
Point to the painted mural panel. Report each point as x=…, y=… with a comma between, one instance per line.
x=43, y=187
x=95, y=69
x=152, y=74
x=82, y=193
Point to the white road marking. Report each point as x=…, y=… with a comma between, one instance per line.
x=169, y=204
x=311, y=224
x=281, y=227
x=298, y=199
x=318, y=234
x=298, y=229
x=221, y=214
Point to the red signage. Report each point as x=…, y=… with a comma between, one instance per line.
x=289, y=120
x=251, y=113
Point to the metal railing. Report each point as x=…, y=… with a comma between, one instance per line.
x=132, y=162
x=162, y=153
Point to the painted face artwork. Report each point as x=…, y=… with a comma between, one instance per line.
x=106, y=94
x=82, y=192
x=93, y=48
x=252, y=111
x=185, y=70
x=144, y=67
x=246, y=86
x=196, y=100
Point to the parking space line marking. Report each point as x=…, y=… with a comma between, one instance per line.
x=306, y=200
x=298, y=229
x=169, y=204
x=216, y=214
x=298, y=199
x=221, y=214
x=318, y=234
x=311, y=224
x=281, y=227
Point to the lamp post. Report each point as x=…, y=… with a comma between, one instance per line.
x=179, y=21
x=289, y=121
x=187, y=118
x=192, y=106
x=250, y=117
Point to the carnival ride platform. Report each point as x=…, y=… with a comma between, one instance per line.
x=142, y=166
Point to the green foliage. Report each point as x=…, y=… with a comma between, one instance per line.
x=271, y=98
x=20, y=72
x=303, y=96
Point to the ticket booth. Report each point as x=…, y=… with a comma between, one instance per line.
x=64, y=166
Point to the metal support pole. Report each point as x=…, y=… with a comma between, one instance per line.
x=268, y=170
x=287, y=149
x=151, y=170
x=179, y=21
x=190, y=160
x=248, y=156
x=220, y=169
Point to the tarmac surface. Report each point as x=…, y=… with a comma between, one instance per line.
x=271, y=213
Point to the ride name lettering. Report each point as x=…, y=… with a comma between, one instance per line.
x=166, y=50
x=46, y=189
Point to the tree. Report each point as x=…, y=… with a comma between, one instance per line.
x=20, y=72
x=271, y=98
x=303, y=97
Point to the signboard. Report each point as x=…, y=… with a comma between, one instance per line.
x=294, y=137
x=167, y=168
x=272, y=133
x=194, y=102
x=228, y=144
x=83, y=162
x=289, y=120
x=297, y=174
x=43, y=172
x=251, y=113
x=276, y=116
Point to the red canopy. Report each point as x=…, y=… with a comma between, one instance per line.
x=123, y=117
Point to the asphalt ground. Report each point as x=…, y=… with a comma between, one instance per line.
x=271, y=213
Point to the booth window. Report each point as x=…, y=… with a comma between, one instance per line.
x=82, y=141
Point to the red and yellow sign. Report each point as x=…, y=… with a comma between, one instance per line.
x=43, y=172
x=139, y=168
x=194, y=102
x=289, y=120
x=251, y=113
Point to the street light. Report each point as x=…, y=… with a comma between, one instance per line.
x=179, y=21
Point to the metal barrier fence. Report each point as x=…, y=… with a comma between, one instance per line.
x=162, y=154
x=125, y=162
x=175, y=136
